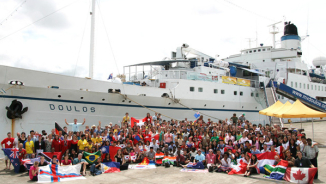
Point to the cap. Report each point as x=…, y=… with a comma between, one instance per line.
x=93, y=126
x=300, y=135
x=243, y=114
x=199, y=150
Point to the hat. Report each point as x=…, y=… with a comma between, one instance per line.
x=110, y=123
x=93, y=126
x=243, y=114
x=300, y=135
x=199, y=150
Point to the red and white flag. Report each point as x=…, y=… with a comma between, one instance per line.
x=54, y=173
x=138, y=122
x=300, y=175
x=239, y=169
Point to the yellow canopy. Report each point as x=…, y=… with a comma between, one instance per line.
x=299, y=110
x=274, y=106
x=283, y=108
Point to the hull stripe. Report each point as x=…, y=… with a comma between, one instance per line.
x=121, y=105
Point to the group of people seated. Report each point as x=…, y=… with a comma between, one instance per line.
x=216, y=145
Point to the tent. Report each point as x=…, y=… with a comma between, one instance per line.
x=281, y=110
x=296, y=110
x=270, y=108
x=299, y=110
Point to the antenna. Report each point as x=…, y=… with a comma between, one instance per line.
x=91, y=53
x=249, y=41
x=274, y=31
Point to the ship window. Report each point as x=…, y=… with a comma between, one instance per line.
x=292, y=84
x=215, y=91
x=264, y=49
x=318, y=88
x=312, y=87
x=250, y=51
x=222, y=91
x=235, y=92
x=200, y=89
x=192, y=89
x=241, y=93
x=258, y=50
x=307, y=86
x=257, y=95
x=300, y=84
x=315, y=87
x=254, y=50
x=304, y=86
x=278, y=96
x=282, y=97
x=268, y=49
x=296, y=84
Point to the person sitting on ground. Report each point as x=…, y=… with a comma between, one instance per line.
x=81, y=161
x=277, y=160
x=151, y=154
x=55, y=160
x=121, y=159
x=66, y=160
x=42, y=162
x=33, y=171
x=180, y=159
x=210, y=158
x=96, y=167
x=200, y=157
x=251, y=167
x=107, y=158
x=225, y=164
x=302, y=161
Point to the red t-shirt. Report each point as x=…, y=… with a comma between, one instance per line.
x=21, y=154
x=9, y=142
x=66, y=163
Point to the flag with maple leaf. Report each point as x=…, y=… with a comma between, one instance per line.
x=300, y=174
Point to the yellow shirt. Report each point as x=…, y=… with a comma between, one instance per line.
x=82, y=144
x=96, y=140
x=29, y=146
x=125, y=119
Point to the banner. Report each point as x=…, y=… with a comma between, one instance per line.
x=229, y=80
x=243, y=82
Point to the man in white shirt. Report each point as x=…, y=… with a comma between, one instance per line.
x=75, y=126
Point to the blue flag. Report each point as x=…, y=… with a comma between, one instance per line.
x=105, y=149
x=13, y=155
x=197, y=115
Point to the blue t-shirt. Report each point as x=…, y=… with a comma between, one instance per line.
x=200, y=157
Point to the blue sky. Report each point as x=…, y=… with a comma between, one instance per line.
x=145, y=30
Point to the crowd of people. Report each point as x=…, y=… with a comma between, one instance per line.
x=217, y=145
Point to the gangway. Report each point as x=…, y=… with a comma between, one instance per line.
x=270, y=96
x=294, y=94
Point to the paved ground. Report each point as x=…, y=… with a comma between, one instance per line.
x=173, y=174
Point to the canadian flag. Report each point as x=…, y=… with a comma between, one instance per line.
x=300, y=175
x=139, y=122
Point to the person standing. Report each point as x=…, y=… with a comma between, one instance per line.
x=75, y=126
x=311, y=152
x=9, y=143
x=29, y=146
x=39, y=145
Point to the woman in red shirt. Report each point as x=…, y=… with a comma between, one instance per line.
x=73, y=143
x=66, y=160
x=56, y=144
x=65, y=144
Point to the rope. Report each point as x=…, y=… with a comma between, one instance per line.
x=4, y=91
x=125, y=96
x=194, y=110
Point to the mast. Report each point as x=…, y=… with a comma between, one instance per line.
x=274, y=31
x=91, y=53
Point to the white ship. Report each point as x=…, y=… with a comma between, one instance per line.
x=178, y=87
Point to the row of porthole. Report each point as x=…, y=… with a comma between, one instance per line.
x=320, y=88
x=59, y=96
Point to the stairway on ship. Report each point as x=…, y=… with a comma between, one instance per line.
x=270, y=96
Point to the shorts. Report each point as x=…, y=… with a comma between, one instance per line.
x=6, y=157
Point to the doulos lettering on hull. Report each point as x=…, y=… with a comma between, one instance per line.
x=71, y=108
